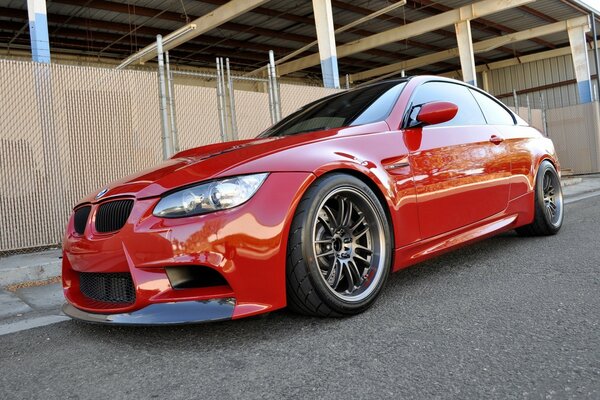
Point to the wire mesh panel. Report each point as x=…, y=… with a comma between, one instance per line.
x=295, y=96
x=252, y=111
x=197, y=116
x=575, y=131
x=66, y=131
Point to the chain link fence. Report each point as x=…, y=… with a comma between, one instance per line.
x=66, y=131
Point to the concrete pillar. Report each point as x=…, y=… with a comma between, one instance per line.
x=326, y=39
x=38, y=31
x=465, y=50
x=581, y=62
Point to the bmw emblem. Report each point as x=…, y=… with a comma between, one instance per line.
x=101, y=193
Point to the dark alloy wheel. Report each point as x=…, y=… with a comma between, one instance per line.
x=549, y=207
x=339, y=251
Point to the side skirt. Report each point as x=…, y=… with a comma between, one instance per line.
x=431, y=247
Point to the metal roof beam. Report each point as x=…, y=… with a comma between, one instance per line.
x=447, y=18
x=236, y=27
x=200, y=25
x=231, y=26
x=98, y=40
x=400, y=21
x=509, y=62
x=483, y=24
x=81, y=24
x=482, y=46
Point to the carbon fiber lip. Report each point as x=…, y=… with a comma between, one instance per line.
x=184, y=312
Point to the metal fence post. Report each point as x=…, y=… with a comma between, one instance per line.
x=171, y=92
x=276, y=102
x=234, y=131
x=220, y=101
x=544, y=122
x=596, y=56
x=166, y=139
x=528, y=109
x=270, y=89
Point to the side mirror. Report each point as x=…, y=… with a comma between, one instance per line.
x=436, y=112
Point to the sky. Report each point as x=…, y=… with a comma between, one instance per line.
x=593, y=4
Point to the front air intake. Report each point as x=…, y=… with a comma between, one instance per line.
x=107, y=287
x=112, y=216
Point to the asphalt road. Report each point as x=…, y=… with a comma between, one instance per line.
x=506, y=318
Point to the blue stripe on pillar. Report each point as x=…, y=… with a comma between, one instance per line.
x=329, y=69
x=585, y=91
x=40, y=44
x=471, y=83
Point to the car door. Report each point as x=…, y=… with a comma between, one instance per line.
x=461, y=168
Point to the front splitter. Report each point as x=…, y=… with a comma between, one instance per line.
x=184, y=312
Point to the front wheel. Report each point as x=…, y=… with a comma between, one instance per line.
x=339, y=249
x=548, y=203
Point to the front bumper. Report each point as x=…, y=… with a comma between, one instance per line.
x=185, y=312
x=245, y=245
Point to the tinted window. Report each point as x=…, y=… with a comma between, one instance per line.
x=353, y=107
x=469, y=112
x=494, y=113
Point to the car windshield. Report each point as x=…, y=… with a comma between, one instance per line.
x=353, y=107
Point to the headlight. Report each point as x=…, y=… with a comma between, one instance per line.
x=210, y=196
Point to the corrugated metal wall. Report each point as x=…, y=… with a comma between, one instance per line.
x=536, y=74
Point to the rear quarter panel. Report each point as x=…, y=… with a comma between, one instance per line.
x=527, y=148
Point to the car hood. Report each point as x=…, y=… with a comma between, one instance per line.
x=214, y=161
x=205, y=163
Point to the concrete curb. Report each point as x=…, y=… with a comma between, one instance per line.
x=22, y=268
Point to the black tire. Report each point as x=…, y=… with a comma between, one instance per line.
x=337, y=269
x=548, y=203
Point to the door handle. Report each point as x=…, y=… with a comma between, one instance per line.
x=496, y=139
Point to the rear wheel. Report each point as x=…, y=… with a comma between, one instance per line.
x=339, y=250
x=549, y=212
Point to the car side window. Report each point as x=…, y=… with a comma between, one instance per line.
x=469, y=112
x=494, y=113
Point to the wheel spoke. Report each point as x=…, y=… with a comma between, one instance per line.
x=339, y=275
x=327, y=253
x=358, y=256
x=363, y=248
x=341, y=210
x=354, y=271
x=358, y=223
x=323, y=241
x=349, y=277
x=546, y=183
x=326, y=224
x=358, y=236
x=348, y=214
x=331, y=217
x=334, y=271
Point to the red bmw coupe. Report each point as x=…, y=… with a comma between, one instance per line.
x=315, y=212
